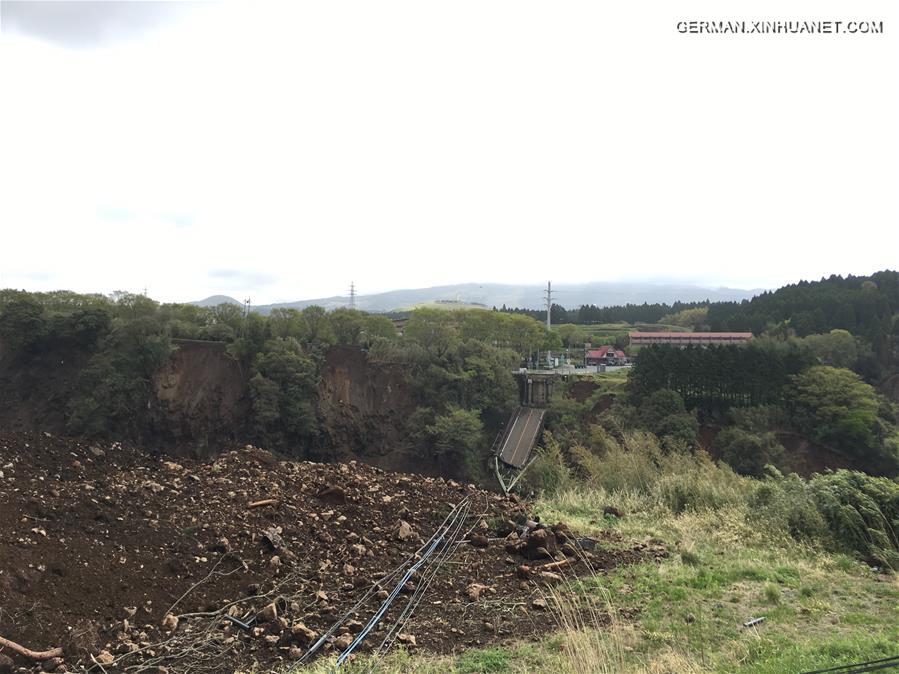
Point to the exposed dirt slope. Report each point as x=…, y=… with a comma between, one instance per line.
x=202, y=403
x=101, y=546
x=363, y=407
x=201, y=397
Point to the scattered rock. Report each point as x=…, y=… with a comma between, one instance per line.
x=475, y=590
x=303, y=634
x=170, y=622
x=540, y=544
x=539, y=603
x=403, y=530
x=268, y=614
x=332, y=494
x=479, y=540
x=272, y=538
x=105, y=658
x=407, y=639
x=343, y=642
x=613, y=511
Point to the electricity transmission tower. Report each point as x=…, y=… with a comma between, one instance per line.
x=352, y=295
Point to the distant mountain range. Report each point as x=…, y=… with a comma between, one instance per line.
x=569, y=296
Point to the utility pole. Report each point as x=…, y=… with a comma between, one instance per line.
x=549, y=307
x=352, y=295
x=246, y=317
x=549, y=304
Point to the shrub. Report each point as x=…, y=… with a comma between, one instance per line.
x=862, y=513
x=787, y=504
x=694, y=482
x=548, y=473
x=747, y=452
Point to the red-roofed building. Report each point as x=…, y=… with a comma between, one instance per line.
x=605, y=355
x=687, y=338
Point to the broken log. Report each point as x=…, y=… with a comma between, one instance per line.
x=28, y=653
x=554, y=565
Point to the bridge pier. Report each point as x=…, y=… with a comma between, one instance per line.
x=536, y=389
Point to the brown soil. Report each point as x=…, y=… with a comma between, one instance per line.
x=99, y=542
x=581, y=389
x=201, y=398
x=801, y=456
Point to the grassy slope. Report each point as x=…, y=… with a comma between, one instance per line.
x=820, y=609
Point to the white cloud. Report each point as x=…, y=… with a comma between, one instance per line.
x=404, y=144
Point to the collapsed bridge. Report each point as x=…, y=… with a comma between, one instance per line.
x=515, y=444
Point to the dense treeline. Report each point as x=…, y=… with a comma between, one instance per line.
x=593, y=315
x=865, y=306
x=713, y=379
x=458, y=364
x=769, y=385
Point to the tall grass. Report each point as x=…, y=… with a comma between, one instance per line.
x=845, y=510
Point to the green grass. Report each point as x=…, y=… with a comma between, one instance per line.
x=726, y=565
x=446, y=306
x=821, y=609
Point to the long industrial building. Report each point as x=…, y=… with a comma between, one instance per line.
x=688, y=338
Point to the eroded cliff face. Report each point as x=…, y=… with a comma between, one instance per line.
x=363, y=408
x=201, y=403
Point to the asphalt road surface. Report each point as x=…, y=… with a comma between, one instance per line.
x=521, y=438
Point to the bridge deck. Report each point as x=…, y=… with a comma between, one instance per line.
x=522, y=436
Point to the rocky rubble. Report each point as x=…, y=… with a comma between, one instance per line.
x=121, y=557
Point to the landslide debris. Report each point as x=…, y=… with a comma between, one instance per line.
x=138, y=562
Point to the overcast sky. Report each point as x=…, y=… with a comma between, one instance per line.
x=280, y=150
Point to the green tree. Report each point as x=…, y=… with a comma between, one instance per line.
x=837, y=348
x=315, y=326
x=22, y=325
x=695, y=318
x=457, y=437
x=434, y=329
x=664, y=414
x=288, y=415
x=748, y=452
x=835, y=407
x=348, y=326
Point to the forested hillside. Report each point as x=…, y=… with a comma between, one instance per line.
x=93, y=363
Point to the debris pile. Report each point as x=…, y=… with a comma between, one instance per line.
x=137, y=562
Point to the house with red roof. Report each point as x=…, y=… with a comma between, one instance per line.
x=605, y=355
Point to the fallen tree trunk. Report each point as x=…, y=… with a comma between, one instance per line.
x=28, y=653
